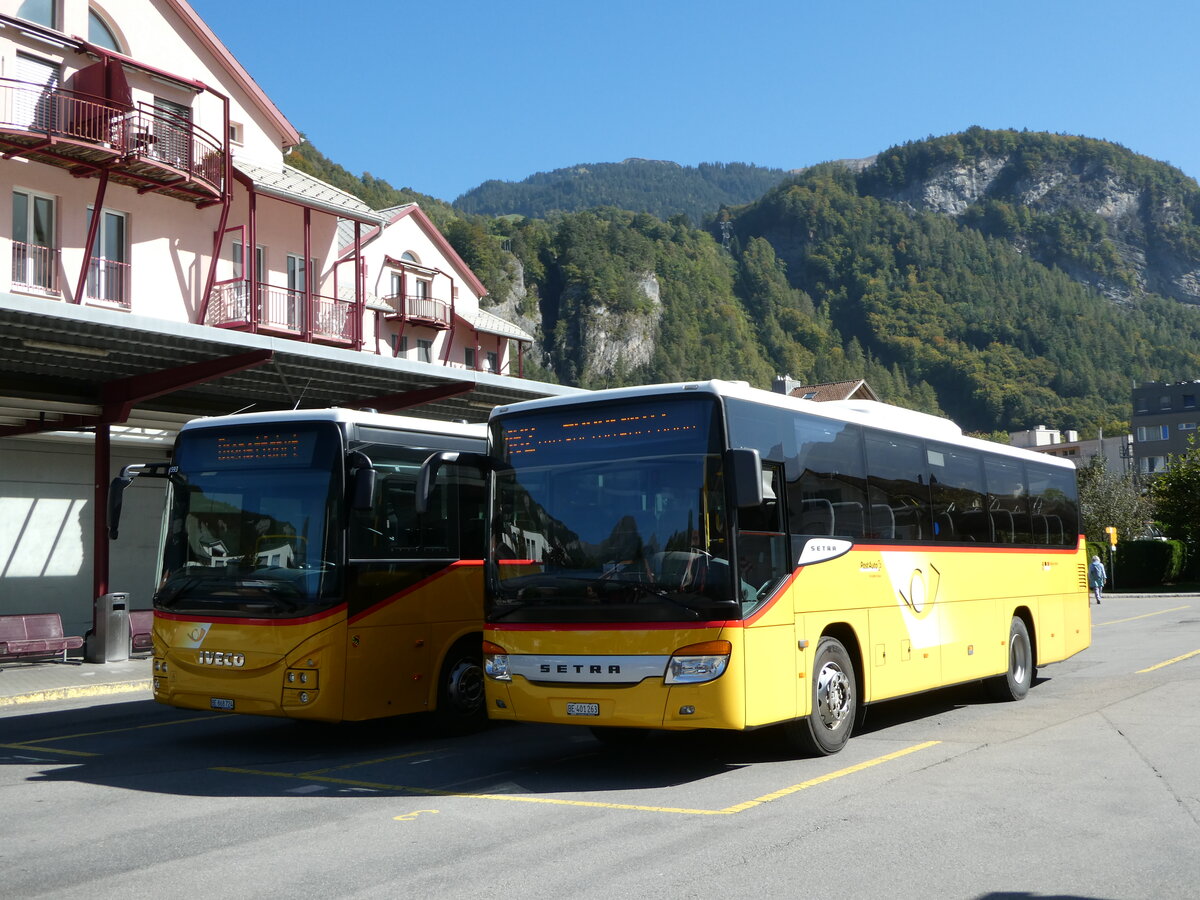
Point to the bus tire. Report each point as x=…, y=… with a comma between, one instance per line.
x=1014, y=684
x=460, y=702
x=827, y=727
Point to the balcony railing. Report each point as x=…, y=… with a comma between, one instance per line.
x=34, y=266
x=281, y=310
x=155, y=134
x=108, y=282
x=413, y=308
x=132, y=142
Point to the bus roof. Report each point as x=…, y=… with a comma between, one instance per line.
x=862, y=412
x=344, y=416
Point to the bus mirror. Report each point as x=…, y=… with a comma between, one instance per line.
x=116, y=490
x=364, y=489
x=362, y=481
x=427, y=478
x=116, y=494
x=744, y=470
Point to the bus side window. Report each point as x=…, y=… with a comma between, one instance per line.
x=392, y=528
x=898, y=491
x=470, y=507
x=1008, y=499
x=1054, y=502
x=957, y=491
x=828, y=497
x=762, y=544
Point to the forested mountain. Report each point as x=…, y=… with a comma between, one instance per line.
x=1008, y=279
x=663, y=189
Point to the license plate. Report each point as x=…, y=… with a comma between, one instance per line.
x=583, y=709
x=220, y=703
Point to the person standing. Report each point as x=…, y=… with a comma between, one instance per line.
x=1097, y=578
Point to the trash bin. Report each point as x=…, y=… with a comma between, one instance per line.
x=112, y=627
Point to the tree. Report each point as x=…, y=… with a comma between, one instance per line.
x=1176, y=494
x=1112, y=498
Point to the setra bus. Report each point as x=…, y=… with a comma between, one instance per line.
x=296, y=578
x=709, y=555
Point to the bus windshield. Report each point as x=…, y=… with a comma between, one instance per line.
x=251, y=522
x=607, y=516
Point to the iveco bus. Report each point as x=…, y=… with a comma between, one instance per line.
x=296, y=578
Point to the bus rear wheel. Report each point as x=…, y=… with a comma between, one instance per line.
x=460, y=702
x=827, y=727
x=1015, y=683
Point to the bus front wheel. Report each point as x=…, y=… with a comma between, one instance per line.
x=1014, y=684
x=827, y=727
x=460, y=702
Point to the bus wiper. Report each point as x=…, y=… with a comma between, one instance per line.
x=171, y=592
x=276, y=591
x=660, y=593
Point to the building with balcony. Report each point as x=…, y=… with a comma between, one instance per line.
x=159, y=260
x=424, y=301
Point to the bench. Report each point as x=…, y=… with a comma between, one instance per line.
x=141, y=623
x=35, y=636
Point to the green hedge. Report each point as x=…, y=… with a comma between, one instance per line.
x=1146, y=563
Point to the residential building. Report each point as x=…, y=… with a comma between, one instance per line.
x=423, y=301
x=1164, y=422
x=1117, y=452
x=159, y=260
x=829, y=390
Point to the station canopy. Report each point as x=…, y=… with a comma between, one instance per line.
x=66, y=368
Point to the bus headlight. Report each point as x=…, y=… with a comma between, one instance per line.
x=697, y=663
x=495, y=662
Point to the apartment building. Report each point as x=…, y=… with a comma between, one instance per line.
x=1164, y=422
x=159, y=259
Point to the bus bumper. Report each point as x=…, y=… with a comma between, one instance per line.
x=650, y=704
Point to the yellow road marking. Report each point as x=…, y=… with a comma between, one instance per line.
x=767, y=798
x=1170, y=662
x=83, y=734
x=37, y=743
x=1143, y=616
x=408, y=817
x=47, y=749
x=594, y=804
x=369, y=762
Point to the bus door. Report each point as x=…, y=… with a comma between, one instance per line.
x=402, y=565
x=763, y=565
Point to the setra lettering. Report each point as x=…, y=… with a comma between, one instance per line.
x=578, y=669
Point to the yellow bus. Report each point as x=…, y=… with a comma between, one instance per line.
x=297, y=580
x=709, y=555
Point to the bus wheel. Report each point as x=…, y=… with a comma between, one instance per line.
x=834, y=702
x=1014, y=684
x=460, y=702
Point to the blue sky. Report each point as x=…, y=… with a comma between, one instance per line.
x=441, y=96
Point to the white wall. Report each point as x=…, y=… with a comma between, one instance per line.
x=46, y=504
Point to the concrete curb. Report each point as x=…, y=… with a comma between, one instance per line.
x=76, y=692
